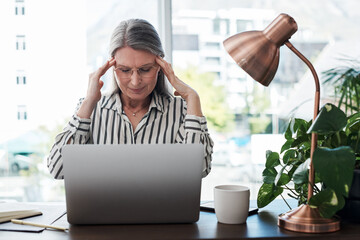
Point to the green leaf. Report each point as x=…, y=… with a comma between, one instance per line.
x=272, y=159
x=278, y=176
x=293, y=169
x=306, y=145
x=267, y=193
x=335, y=167
x=288, y=132
x=353, y=117
x=300, y=141
x=302, y=191
x=354, y=141
x=289, y=156
x=287, y=145
x=345, y=81
x=338, y=139
x=317, y=178
x=269, y=175
x=300, y=126
x=283, y=179
x=327, y=202
x=301, y=174
x=354, y=126
x=329, y=120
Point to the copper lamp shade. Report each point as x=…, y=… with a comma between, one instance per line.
x=257, y=53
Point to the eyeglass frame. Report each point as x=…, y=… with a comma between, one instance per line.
x=137, y=70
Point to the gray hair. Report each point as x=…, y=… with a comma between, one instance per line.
x=138, y=34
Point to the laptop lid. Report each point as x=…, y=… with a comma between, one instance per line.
x=126, y=184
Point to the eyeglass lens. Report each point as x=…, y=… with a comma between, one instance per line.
x=144, y=72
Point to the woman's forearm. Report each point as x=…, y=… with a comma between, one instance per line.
x=194, y=105
x=86, y=109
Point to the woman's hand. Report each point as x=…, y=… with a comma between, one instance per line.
x=95, y=84
x=93, y=94
x=181, y=89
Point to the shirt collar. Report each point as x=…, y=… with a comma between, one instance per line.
x=157, y=102
x=111, y=101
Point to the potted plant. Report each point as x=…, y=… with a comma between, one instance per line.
x=334, y=159
x=346, y=82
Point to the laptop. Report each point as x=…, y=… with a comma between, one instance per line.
x=133, y=184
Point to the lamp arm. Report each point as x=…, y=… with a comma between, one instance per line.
x=316, y=111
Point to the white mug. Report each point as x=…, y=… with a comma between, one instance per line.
x=231, y=203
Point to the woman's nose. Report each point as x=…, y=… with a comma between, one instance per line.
x=135, y=78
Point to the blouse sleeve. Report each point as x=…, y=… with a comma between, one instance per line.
x=194, y=130
x=77, y=131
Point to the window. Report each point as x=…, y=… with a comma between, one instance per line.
x=22, y=113
x=212, y=45
x=258, y=113
x=240, y=141
x=244, y=25
x=78, y=47
x=186, y=42
x=20, y=78
x=19, y=7
x=212, y=60
x=20, y=42
x=216, y=27
x=221, y=26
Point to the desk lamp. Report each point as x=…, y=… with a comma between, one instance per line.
x=257, y=53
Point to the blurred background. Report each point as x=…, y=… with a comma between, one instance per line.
x=48, y=48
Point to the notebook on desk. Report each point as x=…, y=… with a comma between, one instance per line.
x=133, y=184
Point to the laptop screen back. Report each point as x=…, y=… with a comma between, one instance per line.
x=114, y=184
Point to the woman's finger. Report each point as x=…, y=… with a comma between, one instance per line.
x=167, y=69
x=180, y=87
x=109, y=63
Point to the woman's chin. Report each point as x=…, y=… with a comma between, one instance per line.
x=137, y=96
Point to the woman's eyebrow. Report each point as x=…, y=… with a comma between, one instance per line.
x=147, y=65
x=144, y=65
x=119, y=65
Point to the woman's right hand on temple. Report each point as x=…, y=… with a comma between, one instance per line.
x=94, y=90
x=95, y=83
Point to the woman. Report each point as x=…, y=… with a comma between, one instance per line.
x=139, y=109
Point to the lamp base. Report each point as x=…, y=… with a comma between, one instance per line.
x=308, y=220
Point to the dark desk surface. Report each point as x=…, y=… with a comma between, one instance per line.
x=259, y=226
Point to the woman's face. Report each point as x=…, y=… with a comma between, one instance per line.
x=136, y=73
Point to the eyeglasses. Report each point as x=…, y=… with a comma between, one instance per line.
x=144, y=72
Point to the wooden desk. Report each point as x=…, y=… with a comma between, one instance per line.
x=259, y=226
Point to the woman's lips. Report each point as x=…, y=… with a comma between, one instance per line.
x=137, y=90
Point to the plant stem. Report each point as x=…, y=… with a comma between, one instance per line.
x=285, y=201
x=338, y=137
x=315, y=188
x=291, y=190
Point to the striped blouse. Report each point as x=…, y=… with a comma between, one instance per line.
x=165, y=122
